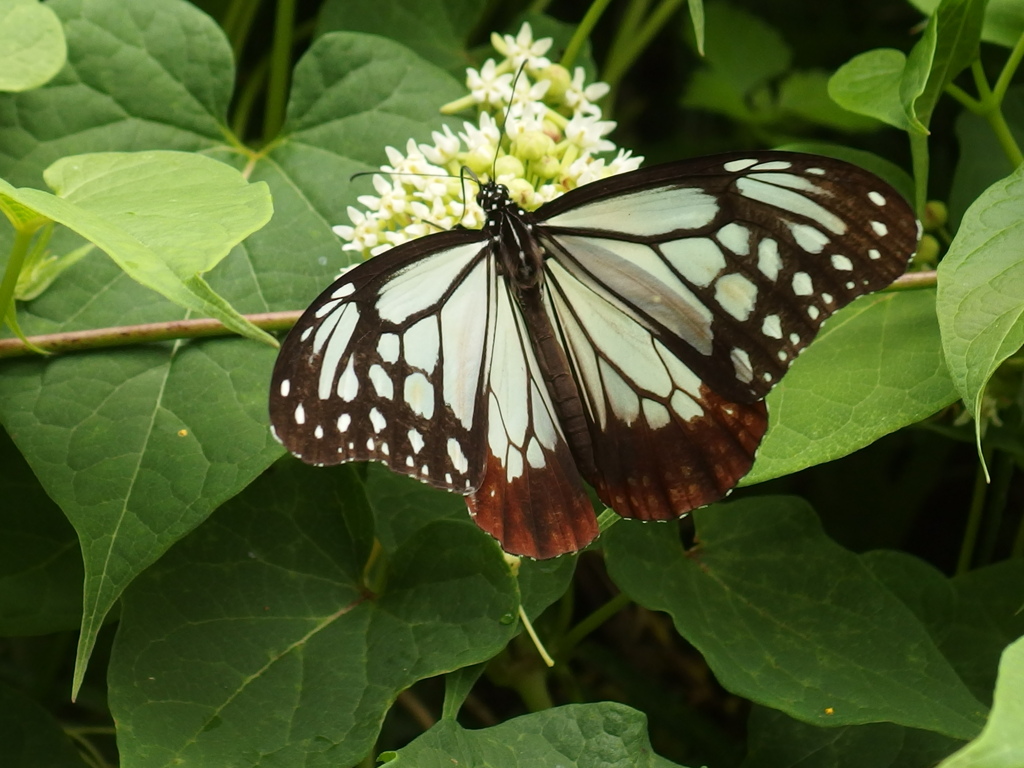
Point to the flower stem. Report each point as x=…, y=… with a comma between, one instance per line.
x=19, y=250
x=970, y=541
x=97, y=338
x=280, y=67
x=583, y=32
x=573, y=637
x=635, y=44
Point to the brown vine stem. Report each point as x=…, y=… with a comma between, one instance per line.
x=98, y=338
x=119, y=336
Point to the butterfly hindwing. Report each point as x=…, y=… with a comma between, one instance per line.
x=531, y=498
x=663, y=442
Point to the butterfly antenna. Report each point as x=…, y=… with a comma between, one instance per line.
x=504, y=119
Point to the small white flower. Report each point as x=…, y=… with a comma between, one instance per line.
x=579, y=98
x=525, y=116
x=587, y=132
x=487, y=86
x=624, y=162
x=523, y=48
x=445, y=149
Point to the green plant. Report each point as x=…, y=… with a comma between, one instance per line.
x=271, y=613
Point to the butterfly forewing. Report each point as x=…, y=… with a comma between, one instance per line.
x=734, y=262
x=388, y=364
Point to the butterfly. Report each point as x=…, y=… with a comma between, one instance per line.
x=624, y=335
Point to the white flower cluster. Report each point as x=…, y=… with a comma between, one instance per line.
x=539, y=135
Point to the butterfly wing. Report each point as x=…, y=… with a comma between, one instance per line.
x=419, y=358
x=531, y=498
x=388, y=364
x=684, y=292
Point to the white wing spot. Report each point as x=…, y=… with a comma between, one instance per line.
x=286, y=387
x=306, y=334
x=348, y=384
x=802, y=285
x=783, y=355
x=377, y=420
x=387, y=347
x=409, y=461
x=874, y=254
x=384, y=449
x=876, y=197
x=326, y=309
x=841, y=262
x=736, y=238
x=736, y=295
x=425, y=469
x=699, y=260
x=812, y=312
x=534, y=454
x=734, y=166
x=850, y=285
x=772, y=326
x=421, y=344
x=448, y=477
x=775, y=165
x=459, y=460
x=381, y=382
x=768, y=259
x=879, y=228
x=318, y=433
x=827, y=298
x=741, y=362
x=300, y=414
x=513, y=464
x=416, y=441
x=794, y=338
x=343, y=422
x=686, y=407
x=656, y=414
x=344, y=291
x=816, y=171
x=809, y=238
x=419, y=394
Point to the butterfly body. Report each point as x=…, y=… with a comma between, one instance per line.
x=624, y=334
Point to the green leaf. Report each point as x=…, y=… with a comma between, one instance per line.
x=163, y=217
x=869, y=84
x=877, y=366
x=972, y=617
x=438, y=30
x=607, y=734
x=981, y=161
x=805, y=93
x=732, y=33
x=776, y=739
x=947, y=47
x=40, y=563
x=1001, y=743
x=32, y=47
x=696, y=9
x=1004, y=20
x=788, y=619
x=257, y=635
x=138, y=447
x=981, y=290
x=30, y=736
